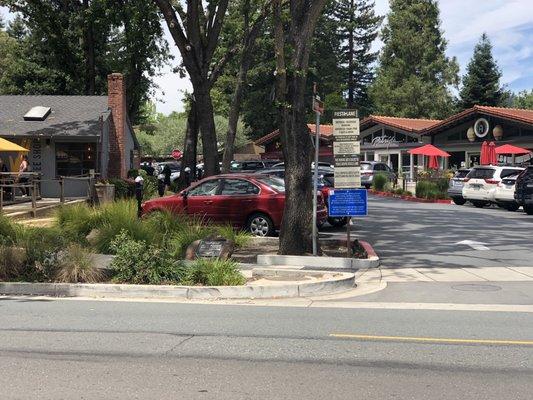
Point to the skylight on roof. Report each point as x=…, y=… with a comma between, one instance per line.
x=38, y=113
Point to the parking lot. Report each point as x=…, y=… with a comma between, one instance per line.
x=418, y=235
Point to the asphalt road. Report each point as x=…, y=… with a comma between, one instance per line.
x=122, y=350
x=416, y=235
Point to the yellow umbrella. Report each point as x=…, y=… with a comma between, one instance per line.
x=6, y=145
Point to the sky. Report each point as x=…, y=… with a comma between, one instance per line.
x=509, y=24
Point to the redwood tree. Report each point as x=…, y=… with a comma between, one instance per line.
x=196, y=32
x=293, y=31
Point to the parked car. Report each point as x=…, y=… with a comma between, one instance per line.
x=251, y=166
x=504, y=193
x=254, y=202
x=369, y=169
x=482, y=181
x=325, y=184
x=455, y=187
x=524, y=190
x=321, y=164
x=174, y=166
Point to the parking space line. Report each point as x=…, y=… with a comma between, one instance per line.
x=432, y=339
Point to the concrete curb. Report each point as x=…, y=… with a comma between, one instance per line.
x=323, y=263
x=336, y=284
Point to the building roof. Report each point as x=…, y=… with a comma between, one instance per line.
x=70, y=115
x=513, y=114
x=326, y=131
x=407, y=124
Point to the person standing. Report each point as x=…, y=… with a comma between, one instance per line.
x=23, y=179
x=167, y=173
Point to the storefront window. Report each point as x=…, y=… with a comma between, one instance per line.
x=73, y=159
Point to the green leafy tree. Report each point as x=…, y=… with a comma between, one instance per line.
x=523, y=99
x=69, y=47
x=481, y=84
x=358, y=28
x=414, y=75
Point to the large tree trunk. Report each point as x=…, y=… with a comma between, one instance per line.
x=233, y=120
x=189, y=149
x=296, y=228
x=206, y=121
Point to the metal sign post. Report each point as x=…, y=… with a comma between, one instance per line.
x=318, y=108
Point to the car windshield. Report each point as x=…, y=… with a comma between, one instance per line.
x=277, y=184
x=481, y=173
x=366, y=167
x=462, y=173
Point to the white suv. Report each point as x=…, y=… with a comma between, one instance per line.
x=481, y=182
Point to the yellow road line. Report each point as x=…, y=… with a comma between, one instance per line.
x=433, y=340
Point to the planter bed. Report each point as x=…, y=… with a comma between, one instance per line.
x=409, y=198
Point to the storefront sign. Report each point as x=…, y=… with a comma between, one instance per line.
x=384, y=141
x=36, y=155
x=481, y=128
x=348, y=203
x=346, y=149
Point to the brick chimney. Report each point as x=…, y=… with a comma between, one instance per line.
x=117, y=130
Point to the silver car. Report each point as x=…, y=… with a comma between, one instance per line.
x=371, y=168
x=455, y=187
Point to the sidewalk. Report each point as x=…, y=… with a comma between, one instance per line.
x=439, y=274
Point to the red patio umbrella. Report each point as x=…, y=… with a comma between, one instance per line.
x=433, y=162
x=484, y=156
x=429, y=150
x=512, y=150
x=432, y=152
x=492, y=158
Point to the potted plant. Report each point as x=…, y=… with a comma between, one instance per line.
x=105, y=191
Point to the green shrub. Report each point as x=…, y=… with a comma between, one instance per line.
x=121, y=216
x=399, y=191
x=124, y=189
x=8, y=230
x=407, y=193
x=214, y=272
x=426, y=190
x=442, y=184
x=239, y=237
x=75, y=265
x=379, y=182
x=138, y=263
x=76, y=221
x=12, y=262
x=179, y=242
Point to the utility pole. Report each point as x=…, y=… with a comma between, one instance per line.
x=318, y=108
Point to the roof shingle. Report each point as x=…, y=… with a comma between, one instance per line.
x=70, y=116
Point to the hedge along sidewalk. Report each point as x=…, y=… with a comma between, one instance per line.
x=409, y=198
x=332, y=283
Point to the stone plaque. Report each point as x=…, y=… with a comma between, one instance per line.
x=210, y=248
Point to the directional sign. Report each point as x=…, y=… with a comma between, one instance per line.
x=346, y=149
x=348, y=203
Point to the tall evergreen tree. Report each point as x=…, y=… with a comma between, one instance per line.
x=17, y=28
x=357, y=27
x=481, y=84
x=414, y=74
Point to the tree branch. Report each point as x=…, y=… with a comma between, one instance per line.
x=214, y=29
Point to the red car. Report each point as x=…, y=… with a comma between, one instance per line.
x=250, y=201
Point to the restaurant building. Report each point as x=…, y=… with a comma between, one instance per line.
x=389, y=139
x=71, y=136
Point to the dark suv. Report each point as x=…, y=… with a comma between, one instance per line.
x=524, y=190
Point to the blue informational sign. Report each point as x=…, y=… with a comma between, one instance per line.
x=348, y=203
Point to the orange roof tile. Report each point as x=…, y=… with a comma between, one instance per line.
x=325, y=132
x=515, y=114
x=407, y=124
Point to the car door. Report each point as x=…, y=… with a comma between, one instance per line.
x=202, y=200
x=238, y=199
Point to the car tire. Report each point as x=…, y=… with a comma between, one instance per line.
x=337, y=222
x=260, y=224
x=459, y=200
x=528, y=209
x=479, y=204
